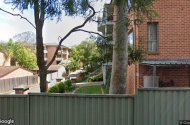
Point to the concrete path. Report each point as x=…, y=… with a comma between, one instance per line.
x=88, y=84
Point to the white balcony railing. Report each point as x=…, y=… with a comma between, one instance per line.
x=62, y=51
x=58, y=59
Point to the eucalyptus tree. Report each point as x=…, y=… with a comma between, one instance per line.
x=141, y=9
x=28, y=39
x=44, y=9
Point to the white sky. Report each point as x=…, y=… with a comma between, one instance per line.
x=11, y=25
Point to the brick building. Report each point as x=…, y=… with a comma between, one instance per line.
x=49, y=50
x=167, y=41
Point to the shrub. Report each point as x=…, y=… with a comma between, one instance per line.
x=53, y=89
x=96, y=78
x=57, y=88
x=61, y=87
x=67, y=83
x=78, y=81
x=84, y=73
x=71, y=88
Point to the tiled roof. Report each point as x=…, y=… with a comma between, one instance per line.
x=5, y=70
x=54, y=67
x=51, y=68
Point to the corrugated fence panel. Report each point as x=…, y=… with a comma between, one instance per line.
x=147, y=107
x=162, y=106
x=14, y=107
x=64, y=109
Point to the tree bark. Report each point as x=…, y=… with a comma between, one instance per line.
x=39, y=21
x=120, y=49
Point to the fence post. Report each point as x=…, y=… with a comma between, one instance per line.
x=136, y=108
x=28, y=109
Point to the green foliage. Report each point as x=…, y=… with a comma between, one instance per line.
x=96, y=78
x=86, y=54
x=24, y=57
x=80, y=80
x=138, y=54
x=71, y=88
x=68, y=83
x=106, y=90
x=61, y=87
x=105, y=50
x=89, y=90
x=28, y=39
x=108, y=76
x=85, y=72
x=142, y=9
x=52, y=8
x=70, y=63
x=53, y=89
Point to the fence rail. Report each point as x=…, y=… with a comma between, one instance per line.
x=8, y=84
x=147, y=107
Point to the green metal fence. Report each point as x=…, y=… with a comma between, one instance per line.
x=14, y=107
x=147, y=107
x=162, y=106
x=63, y=109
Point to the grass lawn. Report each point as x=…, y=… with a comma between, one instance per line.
x=89, y=90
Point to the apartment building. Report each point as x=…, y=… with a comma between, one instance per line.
x=106, y=27
x=167, y=42
x=49, y=50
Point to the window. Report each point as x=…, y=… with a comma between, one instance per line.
x=152, y=37
x=130, y=38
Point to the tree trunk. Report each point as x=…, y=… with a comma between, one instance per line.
x=40, y=61
x=120, y=49
x=39, y=21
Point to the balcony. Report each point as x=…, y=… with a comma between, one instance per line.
x=106, y=22
x=62, y=52
x=45, y=59
x=106, y=26
x=59, y=59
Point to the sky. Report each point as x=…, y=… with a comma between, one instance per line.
x=12, y=25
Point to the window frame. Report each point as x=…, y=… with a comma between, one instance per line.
x=131, y=31
x=151, y=23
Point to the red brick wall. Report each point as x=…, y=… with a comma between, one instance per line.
x=51, y=50
x=179, y=74
x=173, y=40
x=173, y=29
x=131, y=80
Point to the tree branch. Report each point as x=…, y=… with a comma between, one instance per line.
x=18, y=15
x=91, y=32
x=71, y=31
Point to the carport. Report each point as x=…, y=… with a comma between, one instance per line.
x=154, y=63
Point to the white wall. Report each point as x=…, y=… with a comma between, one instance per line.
x=53, y=76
